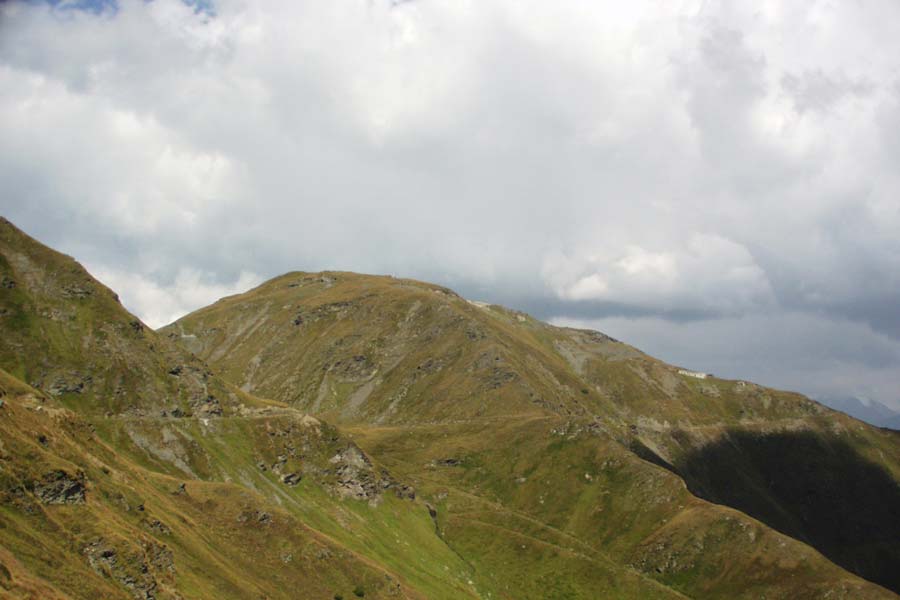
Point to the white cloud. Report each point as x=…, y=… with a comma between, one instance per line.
x=705, y=272
x=160, y=304
x=681, y=159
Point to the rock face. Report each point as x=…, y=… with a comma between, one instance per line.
x=404, y=492
x=59, y=487
x=135, y=569
x=89, y=346
x=355, y=478
x=291, y=479
x=69, y=384
x=210, y=407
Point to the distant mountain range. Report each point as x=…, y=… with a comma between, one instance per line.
x=870, y=411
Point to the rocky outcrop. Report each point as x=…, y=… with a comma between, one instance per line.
x=69, y=384
x=59, y=487
x=403, y=491
x=355, y=478
x=134, y=569
x=255, y=516
x=157, y=526
x=355, y=368
x=208, y=407
x=291, y=479
x=158, y=556
x=80, y=291
x=354, y=475
x=493, y=369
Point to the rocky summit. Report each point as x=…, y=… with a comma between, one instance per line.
x=336, y=435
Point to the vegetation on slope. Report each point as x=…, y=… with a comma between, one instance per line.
x=478, y=453
x=82, y=520
x=411, y=367
x=128, y=469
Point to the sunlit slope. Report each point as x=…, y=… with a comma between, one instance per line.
x=129, y=469
x=67, y=334
x=411, y=367
x=252, y=498
x=383, y=350
x=81, y=520
x=377, y=349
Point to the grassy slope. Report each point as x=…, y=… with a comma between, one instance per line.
x=133, y=417
x=66, y=333
x=543, y=496
x=218, y=546
x=547, y=425
x=115, y=388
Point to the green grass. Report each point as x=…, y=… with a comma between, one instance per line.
x=547, y=497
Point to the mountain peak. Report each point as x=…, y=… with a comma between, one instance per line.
x=415, y=444
x=67, y=333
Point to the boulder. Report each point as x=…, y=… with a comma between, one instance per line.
x=59, y=487
x=291, y=479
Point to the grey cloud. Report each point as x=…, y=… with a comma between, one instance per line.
x=821, y=356
x=818, y=91
x=638, y=161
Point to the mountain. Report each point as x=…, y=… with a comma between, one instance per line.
x=870, y=411
x=334, y=435
x=504, y=423
x=129, y=470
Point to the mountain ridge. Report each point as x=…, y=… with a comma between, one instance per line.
x=391, y=440
x=499, y=361
x=148, y=475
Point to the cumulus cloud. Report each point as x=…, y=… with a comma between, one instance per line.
x=159, y=304
x=685, y=165
x=706, y=272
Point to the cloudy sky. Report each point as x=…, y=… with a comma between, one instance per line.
x=717, y=183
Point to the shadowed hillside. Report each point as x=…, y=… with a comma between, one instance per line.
x=816, y=489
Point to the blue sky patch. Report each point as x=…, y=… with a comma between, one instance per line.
x=111, y=7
